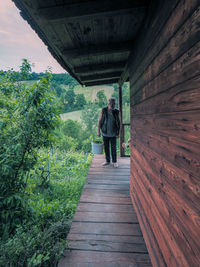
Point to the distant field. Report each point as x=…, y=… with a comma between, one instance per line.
x=75, y=115
x=28, y=83
x=90, y=92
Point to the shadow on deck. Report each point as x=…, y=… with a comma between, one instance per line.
x=105, y=229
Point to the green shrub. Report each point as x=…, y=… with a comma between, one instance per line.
x=32, y=246
x=42, y=240
x=86, y=146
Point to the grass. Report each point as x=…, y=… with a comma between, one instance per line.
x=74, y=115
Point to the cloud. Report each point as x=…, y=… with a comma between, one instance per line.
x=18, y=40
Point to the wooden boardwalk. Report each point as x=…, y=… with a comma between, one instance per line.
x=105, y=230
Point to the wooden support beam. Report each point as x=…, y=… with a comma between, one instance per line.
x=124, y=76
x=102, y=76
x=121, y=139
x=108, y=81
x=108, y=67
x=89, y=8
x=98, y=50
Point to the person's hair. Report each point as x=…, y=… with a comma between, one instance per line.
x=112, y=99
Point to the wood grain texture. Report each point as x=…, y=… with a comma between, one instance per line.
x=105, y=222
x=166, y=49
x=165, y=132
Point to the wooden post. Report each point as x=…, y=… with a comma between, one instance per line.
x=121, y=139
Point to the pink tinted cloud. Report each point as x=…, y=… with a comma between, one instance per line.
x=18, y=40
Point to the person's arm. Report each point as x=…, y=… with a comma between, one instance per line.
x=99, y=124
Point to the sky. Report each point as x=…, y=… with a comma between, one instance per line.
x=18, y=40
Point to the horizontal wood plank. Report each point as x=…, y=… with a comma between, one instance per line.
x=105, y=221
x=106, y=228
x=114, y=238
x=183, y=97
x=151, y=242
x=165, y=50
x=107, y=181
x=182, y=125
x=181, y=153
x=176, y=243
x=107, y=187
x=104, y=259
x=118, y=208
x=170, y=177
x=184, y=68
x=108, y=193
x=101, y=245
x=105, y=199
x=113, y=217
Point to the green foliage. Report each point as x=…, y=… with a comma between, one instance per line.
x=28, y=118
x=68, y=143
x=58, y=88
x=80, y=101
x=69, y=99
x=71, y=128
x=31, y=246
x=86, y=145
x=72, y=101
x=90, y=119
x=42, y=240
x=71, y=136
x=97, y=140
x=101, y=98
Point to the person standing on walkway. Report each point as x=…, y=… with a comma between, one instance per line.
x=109, y=126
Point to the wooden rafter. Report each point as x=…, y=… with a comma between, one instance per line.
x=102, y=76
x=106, y=81
x=97, y=50
x=108, y=67
x=89, y=8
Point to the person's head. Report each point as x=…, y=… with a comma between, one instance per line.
x=112, y=102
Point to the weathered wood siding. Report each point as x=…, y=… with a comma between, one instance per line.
x=165, y=131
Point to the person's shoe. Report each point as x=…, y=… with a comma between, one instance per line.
x=115, y=165
x=105, y=163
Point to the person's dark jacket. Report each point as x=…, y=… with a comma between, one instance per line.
x=104, y=119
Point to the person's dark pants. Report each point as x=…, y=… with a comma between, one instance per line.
x=107, y=142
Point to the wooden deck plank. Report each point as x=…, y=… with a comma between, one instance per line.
x=112, y=238
x=105, y=259
x=101, y=245
x=104, y=207
x=104, y=176
x=105, y=231
x=112, y=217
x=107, y=187
x=106, y=228
x=110, y=193
x=107, y=181
x=105, y=199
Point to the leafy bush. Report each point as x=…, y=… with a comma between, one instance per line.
x=90, y=118
x=28, y=118
x=42, y=240
x=86, y=146
x=31, y=246
x=40, y=183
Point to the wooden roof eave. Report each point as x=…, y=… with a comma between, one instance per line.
x=93, y=73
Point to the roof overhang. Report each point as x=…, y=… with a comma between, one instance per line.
x=91, y=39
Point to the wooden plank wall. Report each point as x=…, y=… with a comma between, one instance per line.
x=165, y=130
